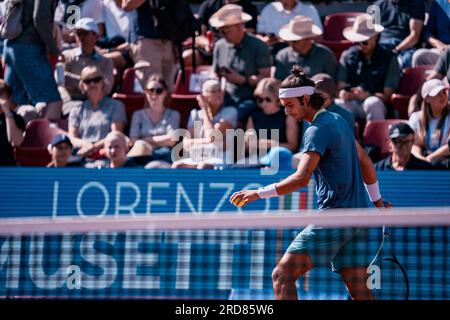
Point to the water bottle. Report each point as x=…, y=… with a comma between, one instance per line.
x=60, y=74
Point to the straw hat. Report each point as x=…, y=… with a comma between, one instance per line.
x=229, y=15
x=363, y=29
x=299, y=28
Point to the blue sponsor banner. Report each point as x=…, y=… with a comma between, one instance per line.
x=186, y=264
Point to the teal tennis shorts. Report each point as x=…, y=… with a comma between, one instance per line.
x=338, y=248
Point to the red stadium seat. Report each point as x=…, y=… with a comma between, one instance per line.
x=182, y=99
x=410, y=82
x=377, y=133
x=181, y=87
x=132, y=102
x=127, y=83
x=332, y=36
x=33, y=151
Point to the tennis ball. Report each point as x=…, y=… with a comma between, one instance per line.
x=240, y=203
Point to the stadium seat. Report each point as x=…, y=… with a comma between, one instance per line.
x=332, y=36
x=183, y=100
x=127, y=82
x=182, y=87
x=132, y=102
x=131, y=99
x=410, y=82
x=33, y=151
x=377, y=133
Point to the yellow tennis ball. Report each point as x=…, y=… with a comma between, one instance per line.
x=241, y=203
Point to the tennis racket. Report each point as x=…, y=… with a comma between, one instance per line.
x=393, y=281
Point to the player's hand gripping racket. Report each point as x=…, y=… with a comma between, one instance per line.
x=393, y=282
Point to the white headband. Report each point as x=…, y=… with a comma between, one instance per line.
x=295, y=92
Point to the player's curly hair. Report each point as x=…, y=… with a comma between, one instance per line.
x=299, y=79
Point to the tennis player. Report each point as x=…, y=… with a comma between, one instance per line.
x=341, y=169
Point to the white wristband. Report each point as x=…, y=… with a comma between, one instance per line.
x=373, y=190
x=269, y=191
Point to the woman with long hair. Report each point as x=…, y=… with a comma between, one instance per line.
x=431, y=124
x=152, y=127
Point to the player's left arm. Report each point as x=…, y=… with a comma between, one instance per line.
x=299, y=179
x=369, y=176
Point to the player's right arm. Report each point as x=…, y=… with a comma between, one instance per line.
x=299, y=179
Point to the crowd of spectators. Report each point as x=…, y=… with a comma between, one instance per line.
x=66, y=66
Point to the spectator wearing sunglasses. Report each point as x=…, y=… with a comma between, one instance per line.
x=76, y=59
x=152, y=127
x=270, y=117
x=367, y=74
x=401, y=140
x=96, y=117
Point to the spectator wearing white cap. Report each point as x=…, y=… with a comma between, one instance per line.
x=432, y=124
x=76, y=59
x=314, y=58
x=441, y=71
x=64, y=14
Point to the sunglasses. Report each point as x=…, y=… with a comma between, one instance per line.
x=82, y=33
x=155, y=90
x=261, y=100
x=363, y=43
x=93, y=80
x=402, y=142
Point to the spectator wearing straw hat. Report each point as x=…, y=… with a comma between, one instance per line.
x=367, y=74
x=240, y=58
x=401, y=140
x=60, y=150
x=303, y=50
x=277, y=14
x=403, y=22
x=76, y=59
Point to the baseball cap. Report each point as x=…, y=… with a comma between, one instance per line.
x=60, y=138
x=432, y=88
x=400, y=130
x=87, y=24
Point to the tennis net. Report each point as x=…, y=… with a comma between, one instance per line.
x=405, y=253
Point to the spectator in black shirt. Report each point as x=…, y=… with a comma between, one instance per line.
x=12, y=127
x=401, y=141
x=403, y=24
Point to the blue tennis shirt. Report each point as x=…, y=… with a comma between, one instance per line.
x=339, y=182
